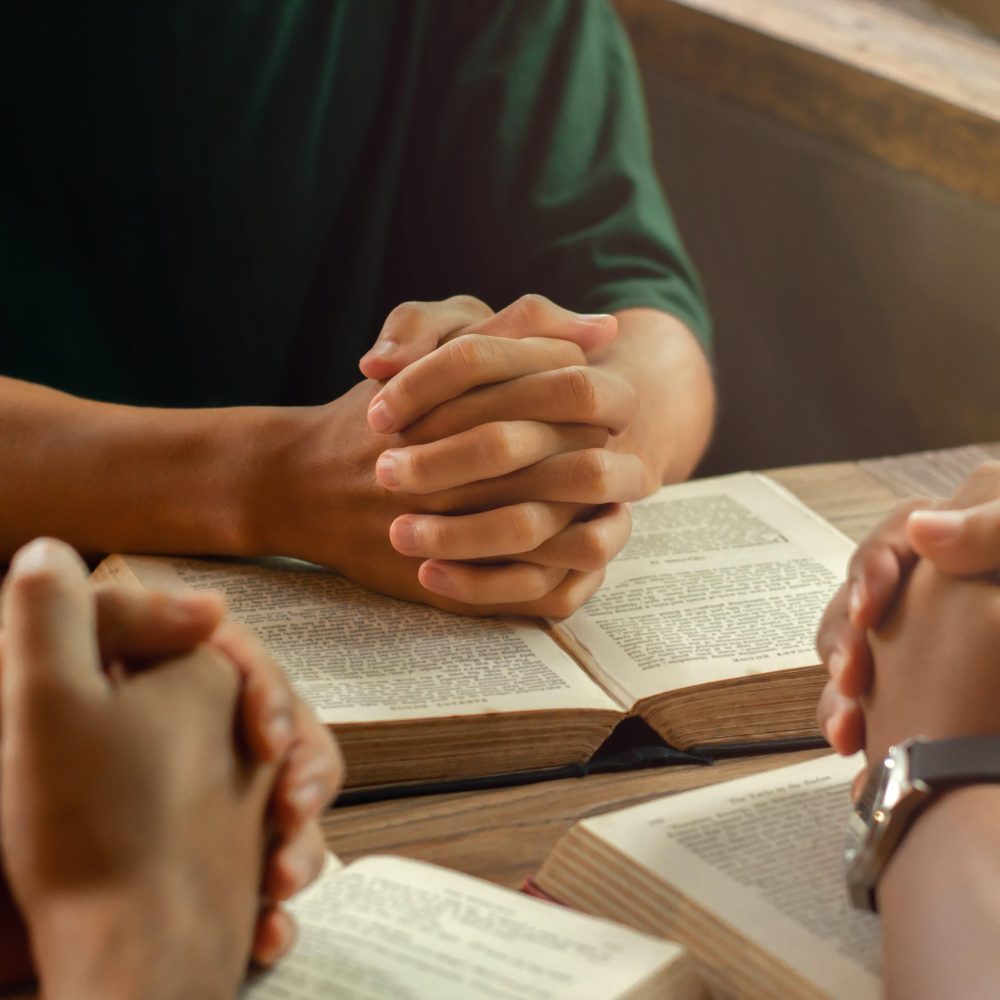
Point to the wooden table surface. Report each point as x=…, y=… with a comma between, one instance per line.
x=504, y=834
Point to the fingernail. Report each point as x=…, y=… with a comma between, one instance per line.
x=379, y=417
x=938, y=525
x=836, y=664
x=383, y=348
x=856, y=599
x=42, y=554
x=593, y=317
x=385, y=470
x=307, y=798
x=434, y=578
x=405, y=536
x=278, y=732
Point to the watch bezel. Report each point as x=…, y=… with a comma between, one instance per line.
x=881, y=816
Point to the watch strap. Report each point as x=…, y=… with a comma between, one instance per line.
x=948, y=763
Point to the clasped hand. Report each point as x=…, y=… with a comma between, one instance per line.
x=506, y=430
x=912, y=638
x=143, y=744
x=478, y=467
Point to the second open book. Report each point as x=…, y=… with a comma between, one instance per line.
x=746, y=875
x=704, y=628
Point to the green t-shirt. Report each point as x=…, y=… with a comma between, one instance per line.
x=218, y=203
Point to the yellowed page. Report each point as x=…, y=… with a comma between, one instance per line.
x=356, y=656
x=764, y=854
x=722, y=578
x=387, y=928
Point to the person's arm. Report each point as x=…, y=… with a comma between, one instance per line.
x=940, y=901
x=936, y=674
x=110, y=478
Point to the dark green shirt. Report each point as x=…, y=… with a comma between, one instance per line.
x=219, y=202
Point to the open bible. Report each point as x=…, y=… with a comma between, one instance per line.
x=746, y=875
x=704, y=629
x=384, y=928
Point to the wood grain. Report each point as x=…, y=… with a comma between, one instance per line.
x=921, y=96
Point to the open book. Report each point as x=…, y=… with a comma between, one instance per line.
x=746, y=874
x=384, y=928
x=704, y=628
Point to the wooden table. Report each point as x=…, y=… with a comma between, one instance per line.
x=504, y=834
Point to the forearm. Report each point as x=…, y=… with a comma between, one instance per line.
x=940, y=901
x=660, y=357
x=118, y=478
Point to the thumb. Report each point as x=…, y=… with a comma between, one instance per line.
x=960, y=542
x=49, y=630
x=414, y=329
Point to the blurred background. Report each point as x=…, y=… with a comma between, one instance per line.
x=835, y=168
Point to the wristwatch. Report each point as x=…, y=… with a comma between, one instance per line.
x=897, y=790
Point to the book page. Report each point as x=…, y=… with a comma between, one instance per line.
x=356, y=656
x=764, y=853
x=722, y=578
x=385, y=928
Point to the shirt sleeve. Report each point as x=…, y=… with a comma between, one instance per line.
x=530, y=156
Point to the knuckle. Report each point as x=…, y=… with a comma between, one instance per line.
x=471, y=353
x=501, y=443
x=536, y=584
x=571, y=598
x=591, y=473
x=470, y=304
x=438, y=536
x=595, y=547
x=560, y=606
x=522, y=528
x=415, y=468
x=532, y=307
x=407, y=314
x=581, y=391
